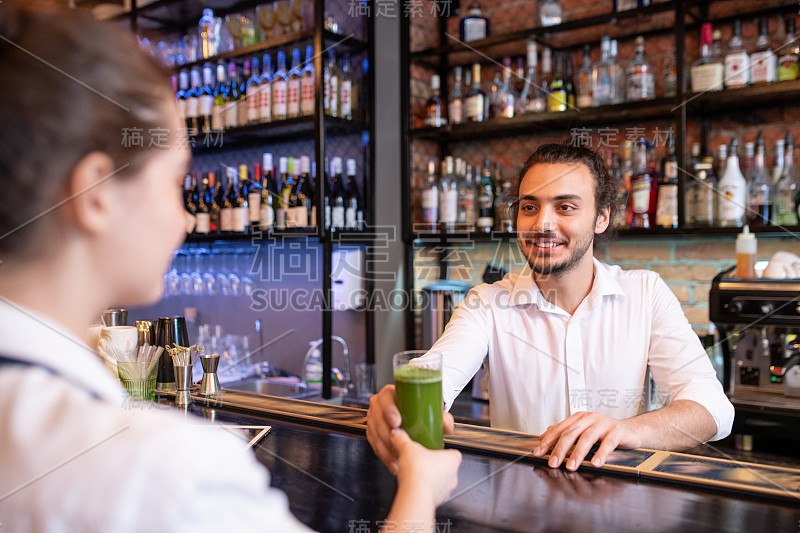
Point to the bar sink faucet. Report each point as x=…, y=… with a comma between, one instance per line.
x=345, y=379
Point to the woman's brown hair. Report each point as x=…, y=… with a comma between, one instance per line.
x=70, y=86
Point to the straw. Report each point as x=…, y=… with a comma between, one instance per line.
x=141, y=354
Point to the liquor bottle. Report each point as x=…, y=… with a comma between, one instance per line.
x=302, y=195
x=762, y=61
x=331, y=78
x=252, y=90
x=737, y=61
x=456, y=105
x=721, y=160
x=642, y=188
x=433, y=108
x=494, y=95
x=232, y=99
x=346, y=94
x=708, y=71
x=220, y=89
x=778, y=162
x=293, y=87
x=280, y=90
x=307, y=84
x=624, y=217
x=254, y=198
x=640, y=84
x=485, y=222
x=338, y=195
x=475, y=98
x=180, y=96
x=502, y=209
x=208, y=36
x=189, y=206
x=603, y=76
x=518, y=86
x=547, y=74
x=448, y=197
x=265, y=91
x=732, y=192
x=474, y=25
x=749, y=160
x=584, y=89
x=533, y=99
x=569, y=85
x=192, y=103
x=218, y=201
x=353, y=207
x=241, y=221
x=692, y=184
x=626, y=5
x=759, y=201
x=282, y=203
x=205, y=101
x=548, y=13
x=203, y=212
x=788, y=68
x=667, y=203
x=227, y=213
x=787, y=197
x=557, y=99
x=618, y=92
x=288, y=198
x=465, y=219
x=243, y=114
x=506, y=98
x=671, y=79
x=269, y=192
x=430, y=199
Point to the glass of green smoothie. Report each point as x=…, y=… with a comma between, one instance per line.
x=418, y=393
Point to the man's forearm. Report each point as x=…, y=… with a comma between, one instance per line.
x=680, y=425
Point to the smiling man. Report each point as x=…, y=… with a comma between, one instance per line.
x=571, y=341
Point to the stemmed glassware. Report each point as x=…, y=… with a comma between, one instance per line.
x=246, y=280
x=234, y=21
x=265, y=14
x=198, y=288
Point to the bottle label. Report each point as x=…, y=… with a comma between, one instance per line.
x=466, y=208
x=265, y=98
x=474, y=29
x=203, y=223
x=253, y=103
x=763, y=67
x=737, y=70
x=474, y=108
x=280, y=222
x=226, y=219
x=485, y=200
x=300, y=214
x=584, y=101
x=430, y=206
x=788, y=67
x=346, y=101
x=190, y=222
x=334, y=96
x=640, y=190
x=279, y=99
x=254, y=206
x=240, y=218
x=231, y=118
x=667, y=206
x=456, y=112
x=307, y=95
x=182, y=109
x=640, y=84
x=191, y=107
x=241, y=107
x=350, y=218
x=707, y=77
x=448, y=206
x=327, y=216
x=731, y=201
x=267, y=217
x=206, y=105
x=337, y=215
x=218, y=117
x=293, y=102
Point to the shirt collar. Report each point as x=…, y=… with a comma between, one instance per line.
x=37, y=339
x=525, y=290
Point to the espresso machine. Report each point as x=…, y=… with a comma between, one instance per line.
x=759, y=325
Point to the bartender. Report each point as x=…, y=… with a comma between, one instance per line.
x=571, y=341
x=85, y=221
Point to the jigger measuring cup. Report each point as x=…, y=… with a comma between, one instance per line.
x=183, y=382
x=210, y=382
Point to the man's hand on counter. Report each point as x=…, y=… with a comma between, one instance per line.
x=582, y=430
x=384, y=416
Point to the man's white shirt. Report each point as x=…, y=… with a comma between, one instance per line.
x=546, y=364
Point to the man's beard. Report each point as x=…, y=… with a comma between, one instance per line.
x=548, y=268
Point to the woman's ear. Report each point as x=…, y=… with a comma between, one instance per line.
x=90, y=198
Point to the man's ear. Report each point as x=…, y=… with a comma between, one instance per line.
x=90, y=200
x=602, y=220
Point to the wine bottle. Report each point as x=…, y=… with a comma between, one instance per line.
x=227, y=213
x=252, y=90
x=265, y=91
x=192, y=103
x=220, y=90
x=269, y=192
x=346, y=99
x=254, y=198
x=215, y=192
x=338, y=201
x=241, y=219
x=205, y=101
x=307, y=84
x=486, y=200
x=190, y=207
x=285, y=193
x=232, y=99
x=279, y=89
x=293, y=90
x=203, y=213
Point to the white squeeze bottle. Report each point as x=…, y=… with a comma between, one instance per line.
x=732, y=192
x=746, y=248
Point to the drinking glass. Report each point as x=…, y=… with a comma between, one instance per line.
x=246, y=280
x=172, y=280
x=234, y=24
x=209, y=278
x=198, y=287
x=223, y=283
x=265, y=14
x=139, y=378
x=418, y=392
x=186, y=279
x=283, y=11
x=234, y=280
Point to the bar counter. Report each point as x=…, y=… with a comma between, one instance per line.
x=335, y=482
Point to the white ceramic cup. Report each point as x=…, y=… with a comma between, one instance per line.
x=123, y=338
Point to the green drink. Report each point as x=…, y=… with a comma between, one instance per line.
x=418, y=392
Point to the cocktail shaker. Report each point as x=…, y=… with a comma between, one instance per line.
x=169, y=331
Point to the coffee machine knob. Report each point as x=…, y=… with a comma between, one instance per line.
x=734, y=307
x=766, y=309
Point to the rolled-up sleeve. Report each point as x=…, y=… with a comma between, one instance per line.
x=679, y=364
